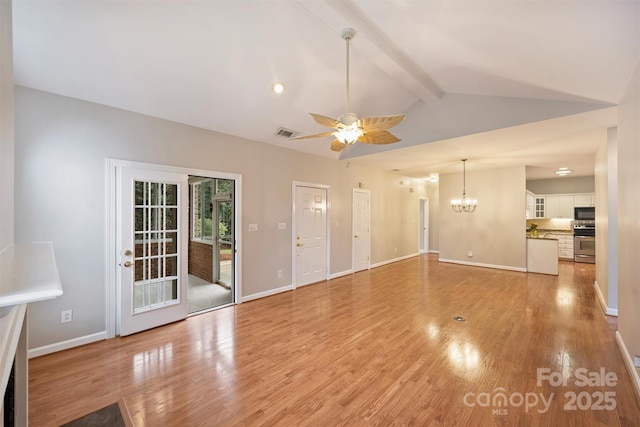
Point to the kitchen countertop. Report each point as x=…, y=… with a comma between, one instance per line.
x=541, y=238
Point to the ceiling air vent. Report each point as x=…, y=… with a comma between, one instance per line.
x=286, y=133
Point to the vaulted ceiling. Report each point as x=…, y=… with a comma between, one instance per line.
x=499, y=82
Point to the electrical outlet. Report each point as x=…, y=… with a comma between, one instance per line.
x=279, y=274
x=470, y=254
x=636, y=361
x=66, y=316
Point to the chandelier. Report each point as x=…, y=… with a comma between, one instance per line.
x=464, y=204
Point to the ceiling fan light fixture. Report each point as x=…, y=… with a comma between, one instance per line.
x=349, y=134
x=349, y=129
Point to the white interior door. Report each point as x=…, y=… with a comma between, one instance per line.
x=361, y=232
x=311, y=235
x=424, y=225
x=152, y=249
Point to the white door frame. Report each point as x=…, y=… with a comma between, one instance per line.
x=422, y=214
x=353, y=220
x=294, y=186
x=112, y=232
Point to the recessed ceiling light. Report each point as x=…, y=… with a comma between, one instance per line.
x=278, y=87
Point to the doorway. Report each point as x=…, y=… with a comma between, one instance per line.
x=361, y=233
x=310, y=233
x=149, y=227
x=211, y=236
x=423, y=230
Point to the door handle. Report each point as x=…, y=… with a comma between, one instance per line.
x=356, y=236
x=128, y=253
x=299, y=244
x=127, y=264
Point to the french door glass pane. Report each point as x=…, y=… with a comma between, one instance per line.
x=156, y=247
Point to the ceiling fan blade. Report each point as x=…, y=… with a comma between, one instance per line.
x=337, y=145
x=326, y=121
x=379, y=122
x=379, y=137
x=317, y=135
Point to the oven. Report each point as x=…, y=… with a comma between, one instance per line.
x=584, y=241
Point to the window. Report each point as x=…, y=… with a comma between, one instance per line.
x=201, y=211
x=207, y=203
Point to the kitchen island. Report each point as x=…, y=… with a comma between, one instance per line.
x=542, y=255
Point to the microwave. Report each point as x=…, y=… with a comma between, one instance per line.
x=584, y=213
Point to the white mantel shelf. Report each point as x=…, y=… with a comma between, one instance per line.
x=28, y=273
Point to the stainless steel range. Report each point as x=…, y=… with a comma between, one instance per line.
x=584, y=241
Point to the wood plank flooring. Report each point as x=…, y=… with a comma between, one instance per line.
x=379, y=347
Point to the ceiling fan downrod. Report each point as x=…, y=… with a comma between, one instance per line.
x=347, y=35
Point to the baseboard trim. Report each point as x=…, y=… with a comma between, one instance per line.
x=479, y=264
x=391, y=261
x=65, y=345
x=340, y=274
x=608, y=311
x=434, y=252
x=628, y=361
x=267, y=293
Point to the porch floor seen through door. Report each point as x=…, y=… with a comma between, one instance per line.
x=204, y=295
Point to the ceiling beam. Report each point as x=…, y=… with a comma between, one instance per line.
x=379, y=48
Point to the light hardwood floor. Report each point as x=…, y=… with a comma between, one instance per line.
x=379, y=347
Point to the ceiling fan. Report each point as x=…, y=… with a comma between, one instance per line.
x=348, y=128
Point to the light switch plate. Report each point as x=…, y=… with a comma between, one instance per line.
x=282, y=226
x=253, y=227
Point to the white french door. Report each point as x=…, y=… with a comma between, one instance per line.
x=153, y=242
x=311, y=234
x=361, y=233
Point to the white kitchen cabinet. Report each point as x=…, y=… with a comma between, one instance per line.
x=552, y=207
x=565, y=244
x=539, y=207
x=565, y=207
x=531, y=205
x=560, y=206
x=584, y=200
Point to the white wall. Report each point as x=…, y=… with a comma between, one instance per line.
x=628, y=217
x=61, y=146
x=6, y=125
x=501, y=201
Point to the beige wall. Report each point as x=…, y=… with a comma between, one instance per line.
x=628, y=217
x=602, y=213
x=61, y=147
x=6, y=125
x=433, y=193
x=607, y=219
x=501, y=200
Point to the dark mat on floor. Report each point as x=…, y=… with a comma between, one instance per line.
x=109, y=416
